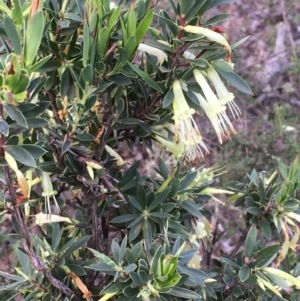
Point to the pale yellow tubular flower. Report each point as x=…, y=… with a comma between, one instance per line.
x=176, y=149
x=48, y=191
x=12, y=163
x=270, y=287
x=108, y=296
x=42, y=218
x=188, y=55
x=260, y=283
x=283, y=275
x=209, y=34
x=214, y=103
x=219, y=120
x=202, y=227
x=186, y=129
x=210, y=96
x=293, y=215
x=225, y=97
x=161, y=56
x=119, y=160
x=211, y=191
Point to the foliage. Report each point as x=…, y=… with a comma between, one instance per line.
x=79, y=82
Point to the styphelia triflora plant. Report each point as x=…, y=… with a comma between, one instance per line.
x=82, y=82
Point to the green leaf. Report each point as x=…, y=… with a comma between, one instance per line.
x=135, y=203
x=37, y=122
x=11, y=276
x=20, y=154
x=87, y=73
x=40, y=108
x=183, y=293
x=192, y=208
x=24, y=260
x=86, y=43
x=85, y=137
x=143, y=27
x=145, y=77
x=129, y=175
x=244, y=273
x=278, y=280
x=44, y=65
x=238, y=43
x=188, y=179
x=34, y=34
x=4, y=128
x=65, y=83
x=266, y=228
x=34, y=150
x=113, y=18
x=12, y=34
x=77, y=269
x=221, y=65
x=186, y=6
x=102, y=40
x=114, y=287
x=194, y=10
x=160, y=198
x=130, y=45
x=230, y=262
x=76, y=245
x=215, y=19
x=124, y=218
x=254, y=210
x=236, y=81
x=15, y=114
x=250, y=241
x=135, y=231
x=168, y=99
x=122, y=250
x=12, y=286
x=266, y=254
x=115, y=249
x=5, y=8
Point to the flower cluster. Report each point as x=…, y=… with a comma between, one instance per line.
x=214, y=99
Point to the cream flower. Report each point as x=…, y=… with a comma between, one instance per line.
x=48, y=191
x=218, y=119
x=225, y=97
x=209, y=34
x=202, y=227
x=177, y=149
x=210, y=96
x=186, y=130
x=161, y=56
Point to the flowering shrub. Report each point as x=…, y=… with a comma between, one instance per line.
x=80, y=82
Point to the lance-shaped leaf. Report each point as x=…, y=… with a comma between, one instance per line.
x=34, y=34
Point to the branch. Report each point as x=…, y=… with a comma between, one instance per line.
x=36, y=262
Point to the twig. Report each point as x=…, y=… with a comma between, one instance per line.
x=214, y=240
x=36, y=262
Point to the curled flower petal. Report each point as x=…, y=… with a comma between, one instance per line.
x=209, y=34
x=161, y=56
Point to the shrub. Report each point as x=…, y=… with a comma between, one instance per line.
x=82, y=81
